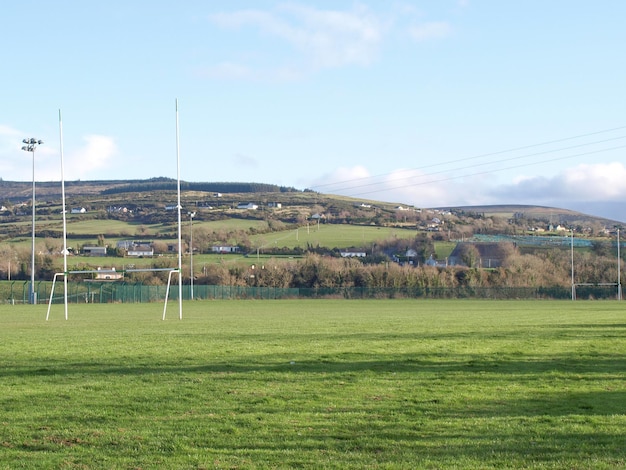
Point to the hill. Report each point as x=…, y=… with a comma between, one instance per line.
x=552, y=215
x=89, y=192
x=134, y=203
x=117, y=224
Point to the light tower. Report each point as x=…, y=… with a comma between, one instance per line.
x=191, y=216
x=30, y=146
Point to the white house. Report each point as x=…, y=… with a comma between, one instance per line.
x=78, y=210
x=140, y=250
x=108, y=275
x=225, y=249
x=248, y=205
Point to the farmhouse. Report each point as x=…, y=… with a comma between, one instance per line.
x=140, y=250
x=78, y=210
x=95, y=250
x=225, y=249
x=353, y=254
x=108, y=275
x=248, y=205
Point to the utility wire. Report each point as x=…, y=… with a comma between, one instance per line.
x=486, y=163
x=580, y=136
x=492, y=171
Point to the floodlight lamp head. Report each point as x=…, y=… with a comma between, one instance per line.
x=25, y=148
x=40, y=142
x=25, y=141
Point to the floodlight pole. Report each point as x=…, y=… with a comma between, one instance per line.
x=572, y=260
x=31, y=145
x=191, y=216
x=619, y=277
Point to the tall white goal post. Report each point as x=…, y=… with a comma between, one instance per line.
x=171, y=271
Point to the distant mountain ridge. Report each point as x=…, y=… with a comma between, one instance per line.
x=15, y=191
x=10, y=190
x=553, y=215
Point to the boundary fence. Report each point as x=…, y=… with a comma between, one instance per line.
x=17, y=292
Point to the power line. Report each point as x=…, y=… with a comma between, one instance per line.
x=492, y=171
x=519, y=157
x=525, y=147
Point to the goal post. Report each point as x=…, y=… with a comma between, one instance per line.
x=178, y=270
x=109, y=271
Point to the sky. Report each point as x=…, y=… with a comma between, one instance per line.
x=428, y=103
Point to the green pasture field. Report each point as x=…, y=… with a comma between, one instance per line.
x=444, y=249
x=315, y=384
x=104, y=226
x=330, y=236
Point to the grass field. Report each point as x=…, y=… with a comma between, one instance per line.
x=331, y=236
x=315, y=384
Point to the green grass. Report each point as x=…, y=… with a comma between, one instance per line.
x=315, y=384
x=444, y=249
x=331, y=236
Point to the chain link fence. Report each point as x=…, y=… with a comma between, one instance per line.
x=17, y=292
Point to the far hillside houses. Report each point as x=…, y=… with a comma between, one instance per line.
x=78, y=210
x=140, y=250
x=225, y=249
x=136, y=248
x=247, y=205
x=433, y=225
x=95, y=250
x=118, y=209
x=111, y=274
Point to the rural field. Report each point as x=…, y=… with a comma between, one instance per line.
x=315, y=384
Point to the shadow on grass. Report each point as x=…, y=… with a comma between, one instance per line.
x=477, y=367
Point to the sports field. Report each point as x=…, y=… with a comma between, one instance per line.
x=315, y=384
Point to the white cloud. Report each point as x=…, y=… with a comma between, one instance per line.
x=599, y=181
x=15, y=164
x=574, y=187
x=585, y=182
x=335, y=38
x=84, y=162
x=8, y=132
x=403, y=186
x=10, y=144
x=227, y=71
x=323, y=38
x=430, y=31
x=340, y=179
x=240, y=160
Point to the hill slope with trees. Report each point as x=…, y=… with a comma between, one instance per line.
x=394, y=245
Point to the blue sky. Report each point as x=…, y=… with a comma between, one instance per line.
x=446, y=103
